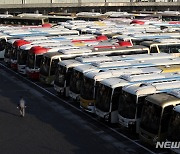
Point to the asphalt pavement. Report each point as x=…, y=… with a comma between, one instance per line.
x=48, y=127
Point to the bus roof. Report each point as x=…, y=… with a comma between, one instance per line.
x=135, y=63
x=149, y=76
x=87, y=59
x=123, y=48
x=114, y=82
x=85, y=68
x=75, y=51
x=117, y=72
x=175, y=92
x=123, y=80
x=142, y=89
x=163, y=99
x=148, y=43
x=170, y=68
x=38, y=50
x=30, y=38
x=69, y=63
x=102, y=58
x=111, y=64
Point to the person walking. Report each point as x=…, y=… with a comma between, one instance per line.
x=22, y=106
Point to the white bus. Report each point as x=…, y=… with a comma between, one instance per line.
x=109, y=92
x=35, y=55
x=65, y=67
x=24, y=45
x=174, y=124
x=164, y=45
x=77, y=75
x=132, y=99
x=105, y=49
x=138, y=38
x=156, y=115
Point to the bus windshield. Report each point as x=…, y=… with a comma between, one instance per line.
x=174, y=127
x=53, y=66
x=75, y=82
x=127, y=105
x=8, y=50
x=173, y=48
x=87, y=88
x=103, y=97
x=30, y=60
x=44, y=70
x=22, y=56
x=2, y=44
x=150, y=117
x=60, y=76
x=13, y=54
x=38, y=59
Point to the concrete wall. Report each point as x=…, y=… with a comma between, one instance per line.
x=10, y=1
x=65, y=1
x=36, y=1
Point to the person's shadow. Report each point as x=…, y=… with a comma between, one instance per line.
x=9, y=113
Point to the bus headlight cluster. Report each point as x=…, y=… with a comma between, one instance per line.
x=91, y=104
x=131, y=123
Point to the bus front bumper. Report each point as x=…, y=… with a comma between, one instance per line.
x=74, y=95
x=58, y=89
x=22, y=69
x=126, y=122
x=148, y=137
x=87, y=105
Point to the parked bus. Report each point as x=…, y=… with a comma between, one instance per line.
x=132, y=99
x=15, y=53
x=103, y=50
x=77, y=76
x=109, y=92
x=171, y=17
x=136, y=39
x=65, y=67
x=155, y=117
x=36, y=33
x=164, y=45
x=73, y=45
x=15, y=20
x=56, y=19
x=2, y=45
x=35, y=55
x=22, y=46
x=174, y=125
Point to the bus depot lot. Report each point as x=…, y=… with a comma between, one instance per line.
x=55, y=125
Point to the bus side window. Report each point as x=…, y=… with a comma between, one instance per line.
x=175, y=49
x=154, y=50
x=166, y=118
x=115, y=99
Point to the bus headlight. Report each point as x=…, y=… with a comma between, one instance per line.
x=91, y=104
x=131, y=122
x=106, y=117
